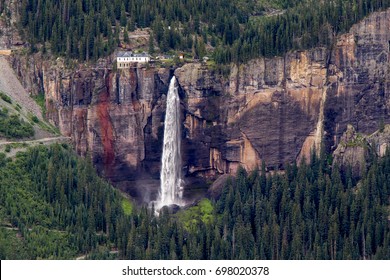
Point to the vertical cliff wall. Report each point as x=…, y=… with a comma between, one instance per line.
x=268, y=109
x=116, y=117
x=359, y=79
x=276, y=110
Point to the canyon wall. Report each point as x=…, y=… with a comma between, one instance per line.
x=9, y=35
x=359, y=79
x=268, y=109
x=116, y=117
x=277, y=110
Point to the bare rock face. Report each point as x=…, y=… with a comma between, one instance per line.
x=9, y=36
x=283, y=110
x=277, y=110
x=359, y=79
x=202, y=120
x=266, y=110
x=380, y=140
x=353, y=152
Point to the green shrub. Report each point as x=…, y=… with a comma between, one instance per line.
x=3, y=112
x=5, y=97
x=127, y=207
x=40, y=100
x=7, y=148
x=3, y=159
x=35, y=119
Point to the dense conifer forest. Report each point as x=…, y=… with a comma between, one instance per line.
x=53, y=205
x=233, y=31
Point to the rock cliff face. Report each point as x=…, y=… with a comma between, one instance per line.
x=276, y=110
x=359, y=79
x=114, y=116
x=9, y=36
x=268, y=109
x=353, y=152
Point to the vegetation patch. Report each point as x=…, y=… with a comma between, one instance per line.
x=201, y=213
x=357, y=141
x=11, y=246
x=7, y=148
x=127, y=207
x=40, y=100
x=12, y=126
x=5, y=97
x=3, y=161
x=35, y=119
x=54, y=206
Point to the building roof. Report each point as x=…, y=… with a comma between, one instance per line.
x=124, y=54
x=141, y=54
x=131, y=54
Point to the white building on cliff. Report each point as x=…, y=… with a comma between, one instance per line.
x=124, y=59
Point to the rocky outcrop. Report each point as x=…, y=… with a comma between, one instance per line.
x=356, y=151
x=380, y=140
x=277, y=110
x=352, y=152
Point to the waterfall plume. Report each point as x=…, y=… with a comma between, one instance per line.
x=171, y=186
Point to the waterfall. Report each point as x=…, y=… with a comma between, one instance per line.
x=171, y=189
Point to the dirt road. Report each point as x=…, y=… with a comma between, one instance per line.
x=47, y=141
